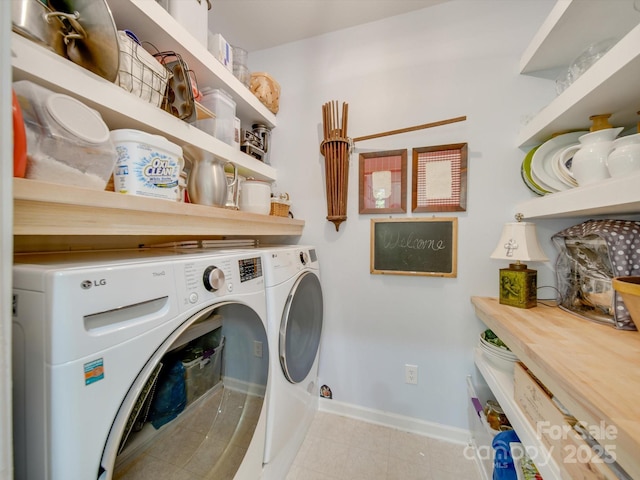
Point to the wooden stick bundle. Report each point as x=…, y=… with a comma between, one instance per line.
x=335, y=148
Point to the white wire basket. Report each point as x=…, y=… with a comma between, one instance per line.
x=140, y=73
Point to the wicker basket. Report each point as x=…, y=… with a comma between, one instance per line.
x=280, y=206
x=266, y=89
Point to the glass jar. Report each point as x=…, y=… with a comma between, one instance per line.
x=495, y=415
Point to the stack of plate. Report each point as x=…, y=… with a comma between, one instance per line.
x=501, y=356
x=545, y=170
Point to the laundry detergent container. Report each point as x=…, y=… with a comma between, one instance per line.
x=67, y=142
x=148, y=165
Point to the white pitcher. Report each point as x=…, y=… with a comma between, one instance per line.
x=625, y=156
x=589, y=164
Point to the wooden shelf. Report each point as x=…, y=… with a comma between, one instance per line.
x=590, y=368
x=609, y=197
x=43, y=211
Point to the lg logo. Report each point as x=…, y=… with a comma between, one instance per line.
x=87, y=284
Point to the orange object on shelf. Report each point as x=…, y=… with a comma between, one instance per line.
x=19, y=140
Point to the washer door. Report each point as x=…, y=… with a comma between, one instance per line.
x=194, y=411
x=301, y=327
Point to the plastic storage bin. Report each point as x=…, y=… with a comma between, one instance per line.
x=148, y=165
x=67, y=142
x=202, y=373
x=224, y=107
x=221, y=49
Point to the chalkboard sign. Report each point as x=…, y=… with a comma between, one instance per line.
x=416, y=246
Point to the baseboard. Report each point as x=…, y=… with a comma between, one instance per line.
x=399, y=422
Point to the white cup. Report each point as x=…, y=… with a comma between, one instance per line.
x=625, y=156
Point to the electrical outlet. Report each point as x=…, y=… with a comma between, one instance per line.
x=411, y=374
x=257, y=348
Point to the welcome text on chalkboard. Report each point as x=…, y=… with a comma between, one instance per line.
x=415, y=246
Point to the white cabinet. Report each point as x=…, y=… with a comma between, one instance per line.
x=609, y=86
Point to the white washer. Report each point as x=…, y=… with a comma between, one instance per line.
x=294, y=327
x=89, y=330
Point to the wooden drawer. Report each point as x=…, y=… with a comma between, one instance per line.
x=577, y=460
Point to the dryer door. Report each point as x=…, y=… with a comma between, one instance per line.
x=301, y=327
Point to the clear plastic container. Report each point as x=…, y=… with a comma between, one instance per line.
x=224, y=107
x=240, y=56
x=67, y=142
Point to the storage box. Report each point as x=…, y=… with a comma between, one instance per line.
x=193, y=15
x=224, y=108
x=140, y=73
x=554, y=427
x=67, y=142
x=221, y=49
x=148, y=165
x=202, y=373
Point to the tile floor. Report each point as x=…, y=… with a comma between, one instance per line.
x=340, y=448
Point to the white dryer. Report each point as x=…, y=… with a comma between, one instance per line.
x=104, y=342
x=294, y=327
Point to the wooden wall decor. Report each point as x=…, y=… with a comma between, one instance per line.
x=415, y=246
x=336, y=149
x=383, y=182
x=439, y=178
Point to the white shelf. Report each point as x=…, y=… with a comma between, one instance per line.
x=501, y=384
x=119, y=108
x=570, y=27
x=609, y=197
x=151, y=23
x=609, y=86
x=481, y=434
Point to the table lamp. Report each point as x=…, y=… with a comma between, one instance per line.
x=518, y=243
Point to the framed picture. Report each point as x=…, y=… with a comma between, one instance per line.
x=383, y=182
x=439, y=178
x=415, y=246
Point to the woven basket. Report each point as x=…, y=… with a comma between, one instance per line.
x=279, y=209
x=266, y=89
x=280, y=206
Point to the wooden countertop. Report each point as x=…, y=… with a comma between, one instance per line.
x=593, y=369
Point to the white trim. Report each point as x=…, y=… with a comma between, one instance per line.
x=6, y=243
x=399, y=422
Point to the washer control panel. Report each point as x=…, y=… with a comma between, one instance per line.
x=250, y=268
x=200, y=279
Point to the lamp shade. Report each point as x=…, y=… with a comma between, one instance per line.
x=519, y=242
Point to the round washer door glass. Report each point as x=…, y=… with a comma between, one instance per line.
x=301, y=327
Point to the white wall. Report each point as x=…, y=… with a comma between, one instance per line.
x=458, y=58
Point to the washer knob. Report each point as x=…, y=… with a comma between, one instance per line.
x=213, y=278
x=304, y=258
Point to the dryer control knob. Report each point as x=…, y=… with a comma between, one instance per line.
x=213, y=278
x=304, y=258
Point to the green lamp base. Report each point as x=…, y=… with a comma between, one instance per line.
x=518, y=286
